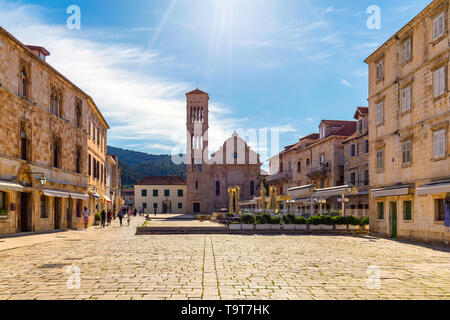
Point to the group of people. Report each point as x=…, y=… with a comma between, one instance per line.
x=109, y=217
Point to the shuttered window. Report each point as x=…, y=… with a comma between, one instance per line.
x=406, y=99
x=439, y=26
x=380, y=112
x=406, y=152
x=380, y=160
x=439, y=143
x=407, y=50
x=439, y=81
x=380, y=70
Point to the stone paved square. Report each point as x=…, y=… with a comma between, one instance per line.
x=114, y=263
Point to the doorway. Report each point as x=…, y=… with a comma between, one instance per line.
x=165, y=208
x=196, y=207
x=57, y=216
x=393, y=217
x=69, y=210
x=25, y=222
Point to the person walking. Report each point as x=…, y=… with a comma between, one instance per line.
x=129, y=218
x=103, y=218
x=109, y=217
x=86, y=217
x=120, y=217
x=135, y=212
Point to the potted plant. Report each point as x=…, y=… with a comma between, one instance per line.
x=98, y=218
x=365, y=223
x=235, y=225
x=339, y=223
x=327, y=223
x=300, y=223
x=248, y=222
x=288, y=222
x=315, y=223
x=275, y=223
x=353, y=222
x=263, y=222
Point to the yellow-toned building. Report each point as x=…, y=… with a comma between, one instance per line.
x=165, y=195
x=409, y=116
x=316, y=162
x=96, y=159
x=44, y=180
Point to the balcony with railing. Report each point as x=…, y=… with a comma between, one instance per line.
x=284, y=175
x=317, y=172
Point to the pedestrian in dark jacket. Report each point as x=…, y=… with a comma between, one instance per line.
x=103, y=218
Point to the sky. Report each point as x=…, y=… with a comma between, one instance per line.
x=267, y=64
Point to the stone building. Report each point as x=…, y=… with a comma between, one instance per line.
x=166, y=195
x=409, y=118
x=128, y=197
x=307, y=170
x=96, y=158
x=208, y=179
x=356, y=166
x=113, y=184
x=43, y=142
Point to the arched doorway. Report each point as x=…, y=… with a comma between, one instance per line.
x=24, y=201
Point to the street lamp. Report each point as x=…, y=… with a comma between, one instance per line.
x=43, y=180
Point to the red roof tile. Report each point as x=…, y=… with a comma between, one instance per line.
x=361, y=111
x=196, y=91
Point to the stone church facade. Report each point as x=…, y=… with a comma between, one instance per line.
x=208, y=178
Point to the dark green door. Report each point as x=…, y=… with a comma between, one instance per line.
x=394, y=219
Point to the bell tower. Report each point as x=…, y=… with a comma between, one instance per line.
x=197, y=170
x=197, y=128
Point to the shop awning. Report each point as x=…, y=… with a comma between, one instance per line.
x=390, y=191
x=10, y=186
x=434, y=188
x=247, y=203
x=303, y=200
x=79, y=196
x=362, y=193
x=334, y=191
x=107, y=199
x=300, y=191
x=56, y=194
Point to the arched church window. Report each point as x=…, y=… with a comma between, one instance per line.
x=23, y=144
x=24, y=83
x=217, y=188
x=78, y=161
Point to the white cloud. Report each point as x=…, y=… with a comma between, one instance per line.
x=346, y=83
x=138, y=106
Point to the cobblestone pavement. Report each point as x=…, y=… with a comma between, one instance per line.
x=116, y=264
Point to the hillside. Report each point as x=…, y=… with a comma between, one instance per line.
x=137, y=165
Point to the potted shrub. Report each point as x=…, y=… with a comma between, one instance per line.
x=365, y=223
x=315, y=223
x=235, y=225
x=353, y=222
x=263, y=221
x=339, y=223
x=248, y=222
x=275, y=223
x=300, y=223
x=98, y=218
x=327, y=223
x=288, y=222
